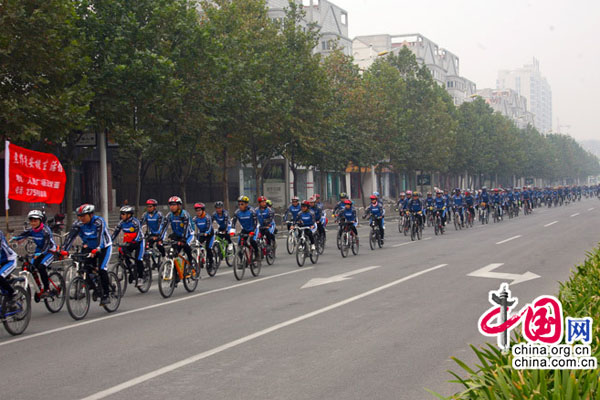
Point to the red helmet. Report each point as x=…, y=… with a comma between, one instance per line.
x=151, y=202
x=409, y=193
x=496, y=190
x=317, y=196
x=175, y=199
x=261, y=199
x=199, y=205
x=373, y=197
x=306, y=203
x=348, y=201
x=467, y=193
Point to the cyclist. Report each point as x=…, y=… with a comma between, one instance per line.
x=221, y=217
x=246, y=216
x=181, y=228
x=526, y=198
x=44, y=247
x=497, y=201
x=266, y=220
x=317, y=209
x=458, y=204
x=377, y=212
x=348, y=214
x=484, y=197
x=97, y=242
x=440, y=206
x=153, y=220
x=400, y=204
x=429, y=204
x=307, y=218
x=8, y=262
x=415, y=207
x=469, y=203
x=133, y=240
x=292, y=212
x=448, y=200
x=340, y=206
x=205, y=235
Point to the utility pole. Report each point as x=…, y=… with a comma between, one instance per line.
x=103, y=174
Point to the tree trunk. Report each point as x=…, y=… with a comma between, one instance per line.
x=225, y=180
x=138, y=182
x=295, y=182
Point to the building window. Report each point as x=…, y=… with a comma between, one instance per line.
x=344, y=19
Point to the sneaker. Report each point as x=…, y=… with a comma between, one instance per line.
x=230, y=247
x=45, y=294
x=105, y=301
x=312, y=247
x=130, y=278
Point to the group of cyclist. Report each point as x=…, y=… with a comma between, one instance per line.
x=97, y=241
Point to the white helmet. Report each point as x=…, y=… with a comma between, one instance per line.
x=85, y=209
x=36, y=214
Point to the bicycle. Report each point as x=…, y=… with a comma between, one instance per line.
x=266, y=248
x=484, y=214
x=176, y=268
x=430, y=217
x=126, y=270
x=457, y=223
x=375, y=234
x=87, y=279
x=497, y=216
x=222, y=250
x=469, y=217
x=349, y=240
x=292, y=240
x=245, y=259
x=56, y=300
x=303, y=249
x=200, y=256
x=406, y=223
x=152, y=256
x=416, y=229
x=438, y=227
x=16, y=318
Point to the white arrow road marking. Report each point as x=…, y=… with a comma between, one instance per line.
x=337, y=278
x=551, y=223
x=486, y=272
x=574, y=215
x=509, y=239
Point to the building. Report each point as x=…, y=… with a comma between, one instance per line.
x=529, y=82
x=443, y=64
x=331, y=20
x=510, y=104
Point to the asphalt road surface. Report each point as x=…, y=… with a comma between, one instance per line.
x=385, y=332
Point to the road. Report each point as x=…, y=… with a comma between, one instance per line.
x=386, y=332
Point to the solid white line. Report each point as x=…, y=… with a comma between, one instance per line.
x=245, y=339
x=574, y=215
x=91, y=321
x=551, y=223
x=427, y=238
x=590, y=209
x=509, y=239
x=402, y=244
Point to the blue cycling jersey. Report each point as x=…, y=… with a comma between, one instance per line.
x=132, y=230
x=42, y=236
x=306, y=218
x=153, y=221
x=440, y=203
x=180, y=224
x=265, y=216
x=6, y=252
x=348, y=214
x=222, y=220
x=246, y=218
x=457, y=200
x=469, y=200
x=203, y=226
x=94, y=234
x=429, y=202
x=293, y=211
x=376, y=210
x=484, y=197
x=414, y=205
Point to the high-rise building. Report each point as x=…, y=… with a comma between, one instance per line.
x=443, y=64
x=510, y=104
x=529, y=82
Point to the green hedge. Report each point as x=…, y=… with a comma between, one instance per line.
x=494, y=377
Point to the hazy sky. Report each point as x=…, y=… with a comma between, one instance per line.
x=489, y=35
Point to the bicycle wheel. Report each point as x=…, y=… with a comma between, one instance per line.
x=69, y=273
x=57, y=285
x=406, y=227
x=239, y=265
x=400, y=225
x=211, y=269
x=314, y=255
x=372, y=239
x=16, y=322
x=419, y=232
x=122, y=275
x=78, y=298
x=321, y=244
x=191, y=276
x=291, y=242
x=413, y=232
x=344, y=244
x=114, y=293
x=436, y=228
x=270, y=256
x=166, y=278
x=300, y=253
x=255, y=265
x=455, y=222
x=379, y=239
x=338, y=240
x=146, y=279
x=217, y=255
x=354, y=244
x=230, y=255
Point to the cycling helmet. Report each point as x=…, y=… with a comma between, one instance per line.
x=402, y=194
x=151, y=202
x=312, y=199
x=295, y=198
x=416, y=194
x=409, y=192
x=376, y=194
x=126, y=210
x=428, y=193
x=317, y=196
x=484, y=188
x=37, y=214
x=269, y=203
x=467, y=193
x=343, y=195
x=243, y=199
x=373, y=197
x=306, y=203
x=199, y=205
x=261, y=199
x=175, y=199
x=219, y=204
x=85, y=209
x=347, y=201
x=496, y=190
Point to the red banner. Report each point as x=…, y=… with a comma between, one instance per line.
x=34, y=177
